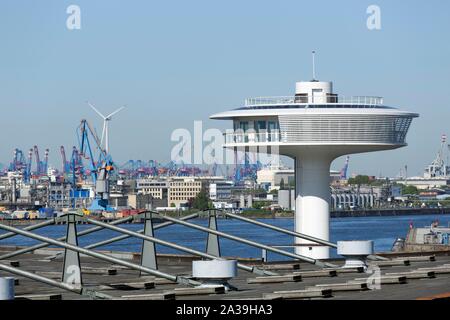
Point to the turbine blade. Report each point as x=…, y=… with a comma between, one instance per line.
x=115, y=112
x=95, y=109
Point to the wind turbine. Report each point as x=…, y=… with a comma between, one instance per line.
x=106, y=119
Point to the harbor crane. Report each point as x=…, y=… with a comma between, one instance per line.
x=344, y=170
x=438, y=167
x=100, y=162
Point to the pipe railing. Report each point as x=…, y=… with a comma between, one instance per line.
x=314, y=99
x=101, y=256
x=291, y=233
x=247, y=242
x=44, y=245
x=29, y=228
x=124, y=236
x=166, y=243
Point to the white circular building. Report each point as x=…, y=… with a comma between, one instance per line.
x=315, y=127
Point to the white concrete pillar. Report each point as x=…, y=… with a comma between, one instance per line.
x=7, y=288
x=312, y=207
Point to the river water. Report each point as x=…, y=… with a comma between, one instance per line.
x=383, y=230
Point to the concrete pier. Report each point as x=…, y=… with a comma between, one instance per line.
x=126, y=284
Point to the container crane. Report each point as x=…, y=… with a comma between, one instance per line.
x=27, y=174
x=45, y=164
x=18, y=163
x=101, y=169
x=38, y=160
x=344, y=170
x=65, y=165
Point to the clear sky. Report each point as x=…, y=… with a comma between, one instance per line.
x=173, y=62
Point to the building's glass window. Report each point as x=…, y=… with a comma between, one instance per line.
x=273, y=130
x=243, y=125
x=260, y=126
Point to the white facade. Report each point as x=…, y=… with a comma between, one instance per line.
x=315, y=127
x=156, y=188
x=220, y=191
x=273, y=177
x=423, y=184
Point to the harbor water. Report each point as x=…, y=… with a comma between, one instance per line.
x=383, y=230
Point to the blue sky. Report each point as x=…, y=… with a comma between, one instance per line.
x=174, y=62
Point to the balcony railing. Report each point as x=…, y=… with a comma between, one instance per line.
x=314, y=100
x=253, y=137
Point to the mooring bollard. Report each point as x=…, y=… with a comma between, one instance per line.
x=7, y=288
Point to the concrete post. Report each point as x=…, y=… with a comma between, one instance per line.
x=148, y=253
x=212, y=244
x=71, y=267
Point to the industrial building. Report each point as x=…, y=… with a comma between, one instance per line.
x=158, y=189
x=220, y=191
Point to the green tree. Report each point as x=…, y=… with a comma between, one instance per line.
x=260, y=204
x=201, y=201
x=409, y=190
x=359, y=180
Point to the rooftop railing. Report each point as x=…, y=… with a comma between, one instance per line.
x=312, y=100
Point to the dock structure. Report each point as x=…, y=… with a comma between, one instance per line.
x=414, y=281
x=74, y=272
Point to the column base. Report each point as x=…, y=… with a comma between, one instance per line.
x=313, y=251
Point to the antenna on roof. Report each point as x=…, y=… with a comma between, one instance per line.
x=314, y=65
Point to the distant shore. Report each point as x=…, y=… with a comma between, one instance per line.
x=258, y=214
x=360, y=213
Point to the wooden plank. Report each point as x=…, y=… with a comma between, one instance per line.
x=107, y=271
x=317, y=274
x=12, y=263
x=348, y=270
x=298, y=294
x=128, y=286
x=417, y=258
x=360, y=286
x=390, y=263
x=50, y=296
x=437, y=270
x=295, y=266
x=154, y=296
x=275, y=279
x=197, y=291
x=383, y=280
x=414, y=274
x=157, y=281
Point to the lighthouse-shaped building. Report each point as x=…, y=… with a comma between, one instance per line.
x=314, y=127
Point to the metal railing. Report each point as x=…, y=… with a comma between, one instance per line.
x=148, y=263
x=69, y=243
x=254, y=137
x=316, y=99
x=72, y=250
x=248, y=242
